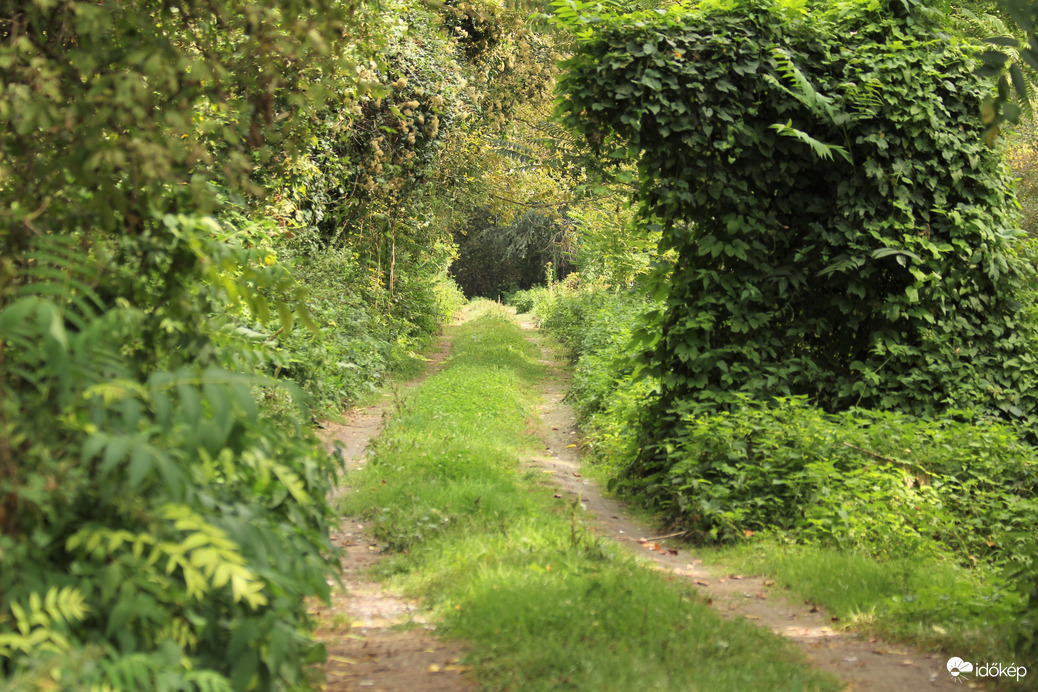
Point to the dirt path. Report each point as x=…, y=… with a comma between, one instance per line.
x=367, y=651
x=866, y=664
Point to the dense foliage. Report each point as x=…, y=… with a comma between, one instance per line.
x=841, y=320
x=495, y=258
x=842, y=231
x=215, y=214
x=879, y=486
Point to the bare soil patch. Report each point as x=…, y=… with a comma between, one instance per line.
x=865, y=663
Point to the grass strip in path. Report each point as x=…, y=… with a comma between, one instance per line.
x=543, y=603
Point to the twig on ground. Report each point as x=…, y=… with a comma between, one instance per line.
x=660, y=538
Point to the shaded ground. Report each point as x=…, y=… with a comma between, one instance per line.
x=866, y=664
x=366, y=648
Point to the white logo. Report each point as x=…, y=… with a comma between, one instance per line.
x=956, y=666
x=958, y=669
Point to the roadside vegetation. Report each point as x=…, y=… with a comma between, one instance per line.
x=843, y=400
x=221, y=222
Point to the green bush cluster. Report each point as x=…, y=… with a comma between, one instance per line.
x=363, y=332
x=524, y=300
x=156, y=528
x=869, y=480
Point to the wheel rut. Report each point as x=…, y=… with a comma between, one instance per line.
x=377, y=640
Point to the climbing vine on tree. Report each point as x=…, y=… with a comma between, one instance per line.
x=842, y=230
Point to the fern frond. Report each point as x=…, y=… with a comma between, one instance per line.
x=42, y=623
x=802, y=89
x=821, y=149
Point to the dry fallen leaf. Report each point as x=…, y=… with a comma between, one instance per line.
x=433, y=668
x=702, y=583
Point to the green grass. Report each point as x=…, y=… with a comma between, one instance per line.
x=926, y=602
x=543, y=603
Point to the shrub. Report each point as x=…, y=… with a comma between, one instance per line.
x=154, y=526
x=879, y=481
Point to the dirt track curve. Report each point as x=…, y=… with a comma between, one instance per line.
x=866, y=664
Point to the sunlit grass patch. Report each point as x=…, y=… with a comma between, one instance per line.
x=923, y=601
x=544, y=603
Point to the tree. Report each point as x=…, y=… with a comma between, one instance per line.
x=841, y=230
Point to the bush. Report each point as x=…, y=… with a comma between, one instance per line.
x=877, y=481
x=154, y=527
x=525, y=300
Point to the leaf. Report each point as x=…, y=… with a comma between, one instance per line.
x=882, y=252
x=1004, y=41
x=1020, y=83
x=821, y=150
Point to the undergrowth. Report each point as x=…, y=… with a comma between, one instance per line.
x=941, y=511
x=544, y=603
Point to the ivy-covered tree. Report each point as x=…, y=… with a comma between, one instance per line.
x=841, y=229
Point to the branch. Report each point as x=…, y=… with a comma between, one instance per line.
x=889, y=459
